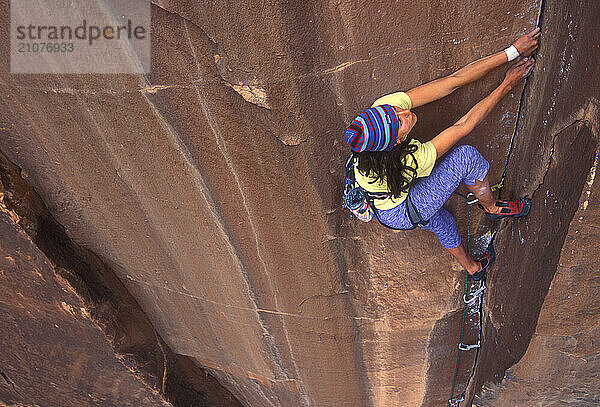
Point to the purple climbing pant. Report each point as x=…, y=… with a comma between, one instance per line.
x=463, y=164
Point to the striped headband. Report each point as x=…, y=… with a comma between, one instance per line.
x=375, y=129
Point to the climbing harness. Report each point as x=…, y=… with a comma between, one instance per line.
x=361, y=202
x=474, y=298
x=413, y=213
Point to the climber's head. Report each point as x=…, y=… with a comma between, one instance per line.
x=380, y=128
x=407, y=120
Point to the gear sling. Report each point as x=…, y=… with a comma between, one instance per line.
x=361, y=202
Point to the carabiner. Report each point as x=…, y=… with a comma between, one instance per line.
x=462, y=346
x=471, y=199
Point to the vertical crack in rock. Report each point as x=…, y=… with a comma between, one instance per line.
x=520, y=114
x=108, y=303
x=442, y=348
x=551, y=145
x=556, y=146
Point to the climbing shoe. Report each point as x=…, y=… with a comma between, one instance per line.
x=514, y=209
x=488, y=258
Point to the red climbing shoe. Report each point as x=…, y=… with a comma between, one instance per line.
x=488, y=258
x=514, y=209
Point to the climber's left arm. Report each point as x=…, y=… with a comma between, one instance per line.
x=437, y=89
x=449, y=137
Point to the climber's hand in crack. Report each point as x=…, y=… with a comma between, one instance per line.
x=527, y=45
x=520, y=70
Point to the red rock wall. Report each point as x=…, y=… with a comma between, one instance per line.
x=101, y=330
x=52, y=351
x=211, y=187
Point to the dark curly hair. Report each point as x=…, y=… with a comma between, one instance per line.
x=389, y=166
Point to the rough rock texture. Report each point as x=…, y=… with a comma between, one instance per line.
x=211, y=189
x=102, y=300
x=53, y=354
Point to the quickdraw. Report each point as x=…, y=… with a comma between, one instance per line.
x=470, y=197
x=455, y=402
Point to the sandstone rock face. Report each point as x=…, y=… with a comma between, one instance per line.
x=211, y=188
x=115, y=328
x=53, y=354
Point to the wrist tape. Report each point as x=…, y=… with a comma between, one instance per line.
x=512, y=53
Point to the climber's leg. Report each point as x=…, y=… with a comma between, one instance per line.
x=465, y=259
x=462, y=164
x=483, y=192
x=442, y=223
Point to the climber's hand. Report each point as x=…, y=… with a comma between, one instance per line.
x=518, y=71
x=528, y=44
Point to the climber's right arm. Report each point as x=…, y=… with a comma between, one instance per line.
x=437, y=89
x=449, y=137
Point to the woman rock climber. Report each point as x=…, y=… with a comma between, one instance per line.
x=388, y=160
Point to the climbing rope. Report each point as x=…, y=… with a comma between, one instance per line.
x=468, y=300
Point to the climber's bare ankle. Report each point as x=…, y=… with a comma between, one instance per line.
x=493, y=208
x=474, y=268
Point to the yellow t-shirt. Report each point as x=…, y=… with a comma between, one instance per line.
x=425, y=157
x=399, y=99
